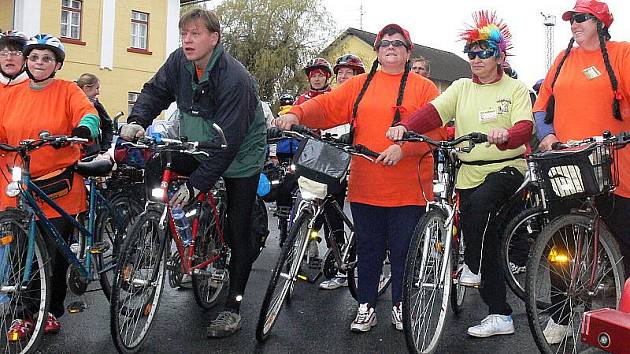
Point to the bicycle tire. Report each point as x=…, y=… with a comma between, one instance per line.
x=458, y=291
x=524, y=229
x=422, y=258
x=286, y=270
x=133, y=278
x=15, y=223
x=383, y=284
x=112, y=225
x=547, y=248
x=206, y=290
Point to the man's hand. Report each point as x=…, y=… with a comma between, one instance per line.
x=498, y=136
x=285, y=122
x=184, y=195
x=395, y=133
x=131, y=131
x=547, y=142
x=390, y=156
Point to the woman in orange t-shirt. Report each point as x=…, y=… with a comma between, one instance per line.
x=586, y=92
x=61, y=108
x=386, y=197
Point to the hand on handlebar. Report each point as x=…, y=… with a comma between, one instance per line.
x=131, y=131
x=395, y=133
x=498, y=136
x=285, y=121
x=390, y=156
x=547, y=142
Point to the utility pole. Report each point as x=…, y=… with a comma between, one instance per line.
x=361, y=13
x=550, y=22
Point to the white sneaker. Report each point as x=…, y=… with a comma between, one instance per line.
x=397, y=316
x=468, y=278
x=555, y=333
x=492, y=325
x=365, y=320
x=334, y=283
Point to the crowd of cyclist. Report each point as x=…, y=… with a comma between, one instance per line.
x=584, y=93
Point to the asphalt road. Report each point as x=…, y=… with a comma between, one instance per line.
x=317, y=321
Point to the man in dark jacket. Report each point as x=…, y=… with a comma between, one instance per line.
x=210, y=86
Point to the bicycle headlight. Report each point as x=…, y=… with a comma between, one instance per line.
x=13, y=189
x=157, y=193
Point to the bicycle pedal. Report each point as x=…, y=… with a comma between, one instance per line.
x=217, y=277
x=99, y=248
x=76, y=307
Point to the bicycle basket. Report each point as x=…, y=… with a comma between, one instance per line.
x=576, y=173
x=321, y=162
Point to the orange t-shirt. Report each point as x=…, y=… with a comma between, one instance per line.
x=371, y=183
x=57, y=108
x=584, y=99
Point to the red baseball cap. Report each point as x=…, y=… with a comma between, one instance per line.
x=398, y=29
x=596, y=8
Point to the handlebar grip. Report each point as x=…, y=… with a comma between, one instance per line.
x=558, y=146
x=479, y=138
x=298, y=128
x=365, y=151
x=5, y=147
x=408, y=134
x=274, y=132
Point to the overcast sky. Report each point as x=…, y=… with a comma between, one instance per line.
x=437, y=24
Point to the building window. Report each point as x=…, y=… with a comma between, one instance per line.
x=139, y=30
x=71, y=19
x=132, y=97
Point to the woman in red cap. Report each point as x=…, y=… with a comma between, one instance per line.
x=319, y=73
x=587, y=91
x=386, y=195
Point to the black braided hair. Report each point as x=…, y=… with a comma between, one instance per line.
x=602, y=33
x=401, y=92
x=551, y=104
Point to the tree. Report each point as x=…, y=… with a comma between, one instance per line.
x=273, y=39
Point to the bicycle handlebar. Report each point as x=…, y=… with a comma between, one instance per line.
x=607, y=137
x=472, y=139
x=44, y=139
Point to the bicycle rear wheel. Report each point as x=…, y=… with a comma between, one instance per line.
x=568, y=287
x=285, y=274
x=426, y=294
x=516, y=243
x=112, y=225
x=384, y=280
x=138, y=283
x=25, y=297
x=214, y=280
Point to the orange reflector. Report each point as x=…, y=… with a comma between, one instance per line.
x=6, y=239
x=13, y=336
x=558, y=256
x=147, y=309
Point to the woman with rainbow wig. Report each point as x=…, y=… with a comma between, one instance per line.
x=499, y=106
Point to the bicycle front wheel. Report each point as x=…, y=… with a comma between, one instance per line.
x=138, y=283
x=426, y=293
x=518, y=238
x=569, y=273
x=24, y=280
x=285, y=274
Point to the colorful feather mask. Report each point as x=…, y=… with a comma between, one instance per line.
x=488, y=30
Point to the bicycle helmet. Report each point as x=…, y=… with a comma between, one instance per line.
x=15, y=39
x=286, y=99
x=46, y=41
x=351, y=61
x=318, y=63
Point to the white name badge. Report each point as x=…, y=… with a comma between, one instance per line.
x=591, y=72
x=487, y=116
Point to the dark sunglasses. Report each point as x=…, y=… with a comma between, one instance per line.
x=482, y=54
x=396, y=43
x=579, y=18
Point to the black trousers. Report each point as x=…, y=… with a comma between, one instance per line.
x=241, y=194
x=478, y=208
x=59, y=265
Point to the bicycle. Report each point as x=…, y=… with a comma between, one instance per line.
x=575, y=263
x=24, y=265
x=314, y=197
x=436, y=251
x=143, y=256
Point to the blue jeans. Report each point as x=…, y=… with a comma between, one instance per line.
x=379, y=229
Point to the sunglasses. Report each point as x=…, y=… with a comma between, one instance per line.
x=396, y=43
x=579, y=18
x=482, y=54
x=45, y=59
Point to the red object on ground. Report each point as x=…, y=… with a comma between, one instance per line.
x=609, y=329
